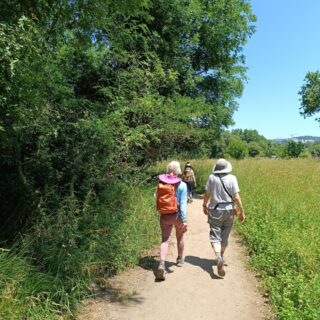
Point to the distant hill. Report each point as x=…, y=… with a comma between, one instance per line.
x=302, y=139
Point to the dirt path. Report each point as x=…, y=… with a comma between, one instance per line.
x=191, y=292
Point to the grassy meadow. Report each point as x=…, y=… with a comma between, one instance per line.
x=282, y=230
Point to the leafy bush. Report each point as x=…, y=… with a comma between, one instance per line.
x=237, y=149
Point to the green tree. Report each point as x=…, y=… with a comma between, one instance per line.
x=237, y=149
x=250, y=135
x=253, y=149
x=258, y=143
x=315, y=150
x=293, y=149
x=310, y=94
x=272, y=149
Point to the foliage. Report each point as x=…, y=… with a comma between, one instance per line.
x=272, y=150
x=310, y=94
x=253, y=149
x=237, y=149
x=256, y=144
x=248, y=136
x=293, y=149
x=240, y=143
x=72, y=248
x=91, y=94
x=315, y=150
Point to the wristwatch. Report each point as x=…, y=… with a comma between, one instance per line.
x=204, y=205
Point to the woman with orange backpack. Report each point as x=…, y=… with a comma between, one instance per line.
x=172, y=205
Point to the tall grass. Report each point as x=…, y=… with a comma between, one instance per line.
x=281, y=233
x=49, y=269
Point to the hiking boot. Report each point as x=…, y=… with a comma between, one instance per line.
x=180, y=262
x=160, y=273
x=221, y=271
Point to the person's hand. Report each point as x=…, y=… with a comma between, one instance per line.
x=242, y=217
x=205, y=209
x=184, y=227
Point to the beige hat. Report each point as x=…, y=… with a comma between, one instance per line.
x=222, y=166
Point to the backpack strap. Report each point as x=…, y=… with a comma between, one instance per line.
x=228, y=193
x=224, y=187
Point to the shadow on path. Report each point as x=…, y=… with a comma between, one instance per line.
x=115, y=294
x=150, y=263
x=204, y=264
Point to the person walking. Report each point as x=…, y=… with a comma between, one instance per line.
x=222, y=191
x=189, y=178
x=169, y=217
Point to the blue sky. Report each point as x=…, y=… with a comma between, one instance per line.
x=285, y=46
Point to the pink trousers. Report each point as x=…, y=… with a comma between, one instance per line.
x=166, y=224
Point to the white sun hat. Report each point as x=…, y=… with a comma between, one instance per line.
x=222, y=166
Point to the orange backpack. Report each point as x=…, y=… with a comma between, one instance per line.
x=166, y=198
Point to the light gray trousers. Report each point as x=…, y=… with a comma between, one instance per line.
x=221, y=222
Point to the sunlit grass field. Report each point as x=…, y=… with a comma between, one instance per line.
x=282, y=231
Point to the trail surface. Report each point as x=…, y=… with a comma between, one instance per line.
x=191, y=292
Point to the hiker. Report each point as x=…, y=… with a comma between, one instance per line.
x=223, y=192
x=176, y=217
x=189, y=178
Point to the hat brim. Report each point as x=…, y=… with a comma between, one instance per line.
x=169, y=179
x=227, y=169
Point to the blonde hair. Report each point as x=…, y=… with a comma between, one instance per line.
x=174, y=167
